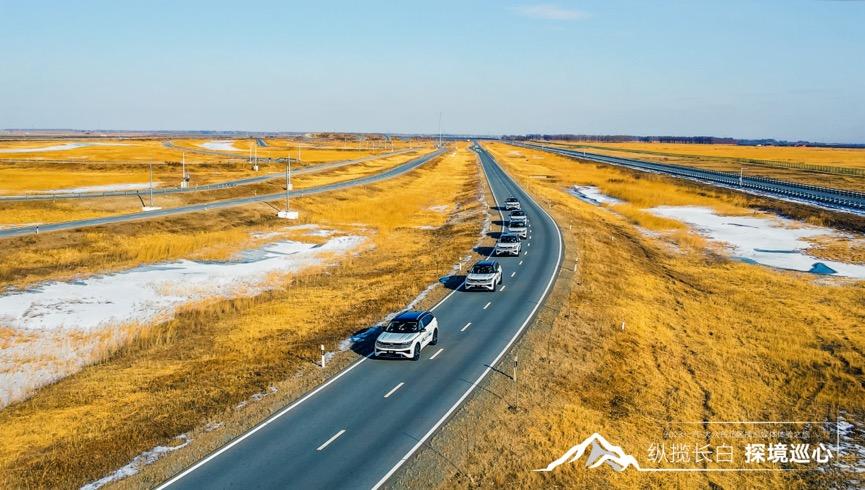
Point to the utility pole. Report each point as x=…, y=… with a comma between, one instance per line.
x=741, y=175
x=151, y=184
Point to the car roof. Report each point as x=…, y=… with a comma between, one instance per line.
x=487, y=262
x=507, y=234
x=517, y=225
x=409, y=316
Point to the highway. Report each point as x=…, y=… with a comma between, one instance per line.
x=226, y=203
x=321, y=167
x=357, y=429
x=824, y=197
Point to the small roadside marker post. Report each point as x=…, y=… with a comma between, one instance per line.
x=322, y=357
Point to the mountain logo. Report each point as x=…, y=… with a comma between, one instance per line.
x=600, y=452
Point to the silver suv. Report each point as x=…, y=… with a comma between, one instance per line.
x=518, y=229
x=486, y=274
x=508, y=244
x=518, y=216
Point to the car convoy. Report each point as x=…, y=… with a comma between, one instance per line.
x=410, y=331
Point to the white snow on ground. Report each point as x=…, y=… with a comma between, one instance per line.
x=851, y=457
x=313, y=229
x=138, y=462
x=59, y=327
x=775, y=242
x=591, y=195
x=220, y=145
x=101, y=188
x=63, y=147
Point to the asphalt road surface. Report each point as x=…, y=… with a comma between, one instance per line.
x=356, y=430
x=310, y=169
x=226, y=203
x=824, y=197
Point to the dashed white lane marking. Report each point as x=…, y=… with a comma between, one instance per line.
x=521, y=262
x=502, y=288
x=529, y=244
x=488, y=305
x=331, y=440
x=513, y=273
x=525, y=253
x=437, y=353
x=393, y=390
x=467, y=326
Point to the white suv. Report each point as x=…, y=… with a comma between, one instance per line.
x=512, y=203
x=486, y=274
x=407, y=334
x=518, y=229
x=518, y=216
x=508, y=244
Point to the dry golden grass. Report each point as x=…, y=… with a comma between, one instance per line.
x=129, y=164
x=192, y=370
x=705, y=338
x=796, y=164
x=24, y=213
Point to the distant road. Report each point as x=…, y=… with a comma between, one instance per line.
x=200, y=188
x=226, y=203
x=357, y=429
x=824, y=197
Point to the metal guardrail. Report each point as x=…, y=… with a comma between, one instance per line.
x=840, y=199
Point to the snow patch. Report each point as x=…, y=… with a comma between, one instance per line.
x=101, y=188
x=772, y=241
x=138, y=462
x=591, y=195
x=59, y=327
x=220, y=145
x=63, y=147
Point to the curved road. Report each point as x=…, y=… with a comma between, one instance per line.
x=356, y=430
x=206, y=187
x=835, y=199
x=227, y=203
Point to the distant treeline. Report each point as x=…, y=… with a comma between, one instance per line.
x=699, y=140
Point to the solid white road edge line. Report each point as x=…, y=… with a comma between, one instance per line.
x=495, y=361
x=333, y=438
x=393, y=390
x=437, y=353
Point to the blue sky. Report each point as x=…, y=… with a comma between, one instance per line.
x=790, y=69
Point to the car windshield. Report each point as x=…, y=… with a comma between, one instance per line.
x=518, y=213
x=483, y=269
x=518, y=225
x=401, y=326
x=509, y=239
x=512, y=199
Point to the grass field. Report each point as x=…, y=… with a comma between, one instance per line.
x=129, y=162
x=190, y=374
x=832, y=167
x=640, y=335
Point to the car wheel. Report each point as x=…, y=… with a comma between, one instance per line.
x=435, y=339
x=416, y=355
